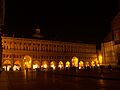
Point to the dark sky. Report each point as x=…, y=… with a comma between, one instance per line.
x=81, y=20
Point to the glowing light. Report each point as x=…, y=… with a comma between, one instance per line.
x=7, y=65
x=92, y=63
x=7, y=68
x=100, y=59
x=45, y=65
x=81, y=64
x=7, y=62
x=98, y=65
x=60, y=65
x=52, y=64
x=35, y=66
x=30, y=61
x=87, y=64
x=53, y=67
x=67, y=64
x=75, y=61
x=27, y=61
x=17, y=63
x=16, y=68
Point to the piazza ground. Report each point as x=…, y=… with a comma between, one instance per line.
x=62, y=80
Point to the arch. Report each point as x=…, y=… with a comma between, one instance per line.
x=7, y=65
x=92, y=63
x=97, y=63
x=44, y=64
x=87, y=64
x=53, y=65
x=27, y=61
x=7, y=62
x=67, y=64
x=36, y=64
x=60, y=65
x=17, y=65
x=74, y=62
x=81, y=64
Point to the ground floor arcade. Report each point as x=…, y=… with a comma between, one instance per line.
x=27, y=62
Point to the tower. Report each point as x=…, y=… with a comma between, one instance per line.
x=2, y=15
x=37, y=33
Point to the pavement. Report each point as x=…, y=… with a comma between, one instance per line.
x=40, y=80
x=110, y=75
x=4, y=84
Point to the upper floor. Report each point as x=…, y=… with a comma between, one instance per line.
x=25, y=44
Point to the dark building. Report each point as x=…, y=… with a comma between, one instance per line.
x=2, y=15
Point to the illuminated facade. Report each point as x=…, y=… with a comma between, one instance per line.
x=21, y=53
x=2, y=16
x=110, y=48
x=109, y=53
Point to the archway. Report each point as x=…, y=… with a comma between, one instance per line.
x=27, y=62
x=53, y=65
x=44, y=65
x=7, y=65
x=36, y=64
x=81, y=65
x=60, y=65
x=67, y=64
x=97, y=63
x=74, y=62
x=17, y=65
x=92, y=64
x=87, y=64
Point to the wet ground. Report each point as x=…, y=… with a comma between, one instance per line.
x=50, y=81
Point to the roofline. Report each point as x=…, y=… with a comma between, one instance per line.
x=115, y=17
x=71, y=42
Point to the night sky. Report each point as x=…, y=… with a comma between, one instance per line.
x=82, y=20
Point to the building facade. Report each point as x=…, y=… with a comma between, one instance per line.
x=109, y=53
x=2, y=16
x=22, y=53
x=110, y=48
